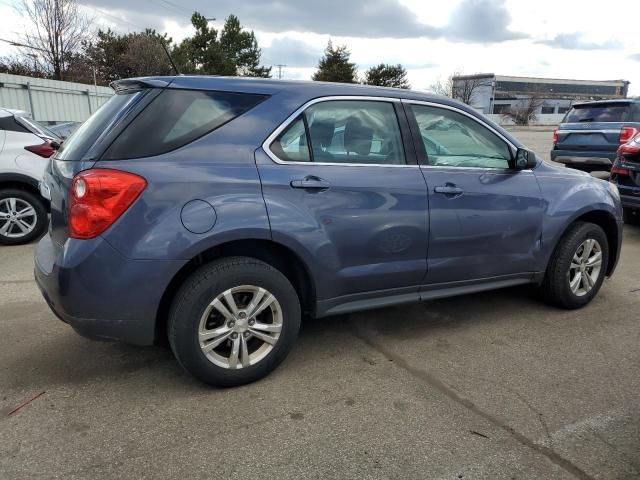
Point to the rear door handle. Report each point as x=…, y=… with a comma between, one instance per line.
x=449, y=189
x=313, y=183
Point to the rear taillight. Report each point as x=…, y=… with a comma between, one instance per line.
x=631, y=148
x=619, y=171
x=43, y=149
x=555, y=136
x=98, y=198
x=627, y=133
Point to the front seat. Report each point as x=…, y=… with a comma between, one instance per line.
x=321, y=133
x=358, y=139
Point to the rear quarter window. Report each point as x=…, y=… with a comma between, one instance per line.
x=176, y=118
x=9, y=124
x=80, y=141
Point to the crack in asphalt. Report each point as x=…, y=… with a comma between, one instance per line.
x=443, y=388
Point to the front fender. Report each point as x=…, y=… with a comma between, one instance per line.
x=570, y=196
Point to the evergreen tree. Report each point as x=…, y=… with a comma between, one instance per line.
x=115, y=56
x=385, y=75
x=230, y=51
x=335, y=66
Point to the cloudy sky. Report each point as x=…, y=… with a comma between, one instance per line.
x=548, y=38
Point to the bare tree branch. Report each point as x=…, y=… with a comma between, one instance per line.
x=465, y=87
x=58, y=30
x=525, y=112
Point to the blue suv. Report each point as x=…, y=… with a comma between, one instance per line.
x=591, y=133
x=216, y=212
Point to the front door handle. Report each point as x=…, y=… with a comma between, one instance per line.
x=449, y=189
x=313, y=183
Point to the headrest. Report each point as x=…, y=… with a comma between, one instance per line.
x=322, y=133
x=357, y=137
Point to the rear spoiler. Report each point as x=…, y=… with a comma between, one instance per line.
x=129, y=84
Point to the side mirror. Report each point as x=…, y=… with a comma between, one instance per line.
x=525, y=159
x=55, y=145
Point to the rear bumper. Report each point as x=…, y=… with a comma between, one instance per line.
x=99, y=293
x=584, y=158
x=630, y=201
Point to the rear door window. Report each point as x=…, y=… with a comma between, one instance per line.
x=601, y=112
x=344, y=132
x=178, y=117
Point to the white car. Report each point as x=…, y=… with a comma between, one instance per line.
x=25, y=148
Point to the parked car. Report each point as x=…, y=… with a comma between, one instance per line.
x=625, y=174
x=216, y=212
x=590, y=133
x=25, y=148
x=64, y=130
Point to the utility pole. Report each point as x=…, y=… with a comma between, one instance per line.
x=280, y=66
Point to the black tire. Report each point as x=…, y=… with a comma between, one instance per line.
x=41, y=219
x=195, y=296
x=555, y=286
x=631, y=216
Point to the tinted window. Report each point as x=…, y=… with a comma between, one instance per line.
x=613, y=112
x=86, y=135
x=291, y=145
x=178, y=117
x=344, y=131
x=37, y=128
x=354, y=131
x=452, y=139
x=9, y=124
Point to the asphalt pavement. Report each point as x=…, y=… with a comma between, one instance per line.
x=494, y=385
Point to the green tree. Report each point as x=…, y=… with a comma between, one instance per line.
x=335, y=66
x=135, y=54
x=385, y=75
x=230, y=51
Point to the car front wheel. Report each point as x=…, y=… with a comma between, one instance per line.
x=577, y=267
x=23, y=217
x=234, y=321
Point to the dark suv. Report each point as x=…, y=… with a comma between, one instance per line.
x=590, y=133
x=217, y=212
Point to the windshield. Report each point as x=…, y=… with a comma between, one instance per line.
x=613, y=112
x=80, y=141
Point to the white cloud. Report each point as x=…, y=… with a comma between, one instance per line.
x=564, y=38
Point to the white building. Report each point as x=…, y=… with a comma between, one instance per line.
x=490, y=93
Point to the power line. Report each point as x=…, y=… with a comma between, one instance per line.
x=178, y=8
x=121, y=20
x=18, y=44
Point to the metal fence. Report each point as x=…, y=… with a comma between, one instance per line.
x=51, y=101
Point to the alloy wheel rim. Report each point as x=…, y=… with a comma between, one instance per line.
x=240, y=327
x=585, y=267
x=18, y=218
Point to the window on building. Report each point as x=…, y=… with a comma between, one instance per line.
x=548, y=109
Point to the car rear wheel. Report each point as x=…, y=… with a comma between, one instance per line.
x=23, y=217
x=233, y=321
x=577, y=267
